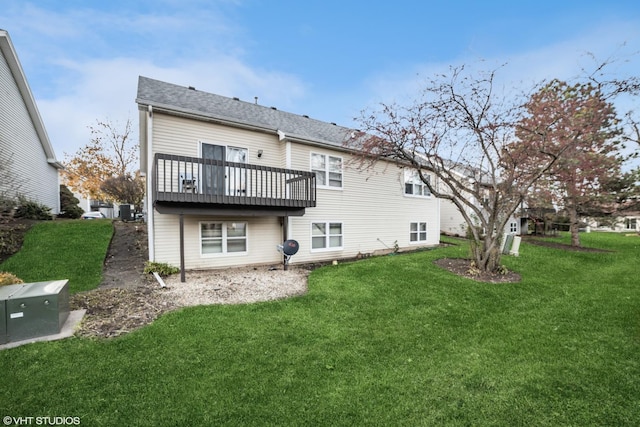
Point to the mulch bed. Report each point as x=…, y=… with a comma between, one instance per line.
x=462, y=267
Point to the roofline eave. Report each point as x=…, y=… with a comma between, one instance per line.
x=9, y=52
x=198, y=115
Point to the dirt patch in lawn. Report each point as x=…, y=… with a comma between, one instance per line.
x=126, y=299
x=126, y=256
x=462, y=267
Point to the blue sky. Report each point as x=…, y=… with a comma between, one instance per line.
x=327, y=59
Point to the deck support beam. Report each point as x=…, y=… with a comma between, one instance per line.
x=182, y=272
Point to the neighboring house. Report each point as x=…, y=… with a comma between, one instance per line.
x=228, y=181
x=453, y=223
x=109, y=210
x=28, y=163
x=630, y=222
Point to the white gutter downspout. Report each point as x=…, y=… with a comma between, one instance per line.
x=150, y=175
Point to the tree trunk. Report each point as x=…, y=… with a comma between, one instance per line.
x=486, y=254
x=574, y=226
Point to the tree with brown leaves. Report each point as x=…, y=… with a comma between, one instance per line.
x=578, y=121
x=110, y=153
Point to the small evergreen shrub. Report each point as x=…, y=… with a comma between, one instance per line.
x=162, y=268
x=28, y=209
x=69, y=207
x=9, y=279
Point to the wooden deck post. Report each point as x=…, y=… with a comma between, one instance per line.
x=285, y=226
x=182, y=273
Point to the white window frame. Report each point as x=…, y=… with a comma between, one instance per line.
x=630, y=223
x=513, y=227
x=327, y=170
x=224, y=238
x=327, y=237
x=418, y=232
x=411, y=177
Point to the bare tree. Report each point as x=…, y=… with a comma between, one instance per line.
x=110, y=153
x=126, y=189
x=459, y=131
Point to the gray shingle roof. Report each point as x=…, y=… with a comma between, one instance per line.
x=181, y=99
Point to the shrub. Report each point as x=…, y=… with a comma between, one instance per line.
x=10, y=240
x=30, y=209
x=9, y=279
x=7, y=205
x=162, y=268
x=69, y=204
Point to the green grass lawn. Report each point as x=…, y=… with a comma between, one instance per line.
x=389, y=341
x=63, y=249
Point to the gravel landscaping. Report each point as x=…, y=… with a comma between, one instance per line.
x=128, y=299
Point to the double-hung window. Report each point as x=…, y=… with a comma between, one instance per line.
x=223, y=237
x=418, y=232
x=326, y=235
x=414, y=186
x=513, y=227
x=328, y=170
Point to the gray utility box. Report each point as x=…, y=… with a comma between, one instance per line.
x=5, y=293
x=34, y=309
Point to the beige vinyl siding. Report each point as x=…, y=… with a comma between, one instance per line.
x=451, y=220
x=263, y=235
x=371, y=206
x=21, y=149
x=180, y=136
x=453, y=223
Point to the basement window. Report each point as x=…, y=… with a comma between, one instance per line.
x=223, y=238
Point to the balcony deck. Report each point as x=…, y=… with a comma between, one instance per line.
x=196, y=184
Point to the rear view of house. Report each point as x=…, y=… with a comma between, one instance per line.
x=228, y=181
x=28, y=166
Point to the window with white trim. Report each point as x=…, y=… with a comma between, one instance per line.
x=326, y=235
x=630, y=223
x=223, y=237
x=513, y=227
x=413, y=185
x=328, y=170
x=417, y=232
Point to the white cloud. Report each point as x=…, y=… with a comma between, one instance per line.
x=106, y=89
